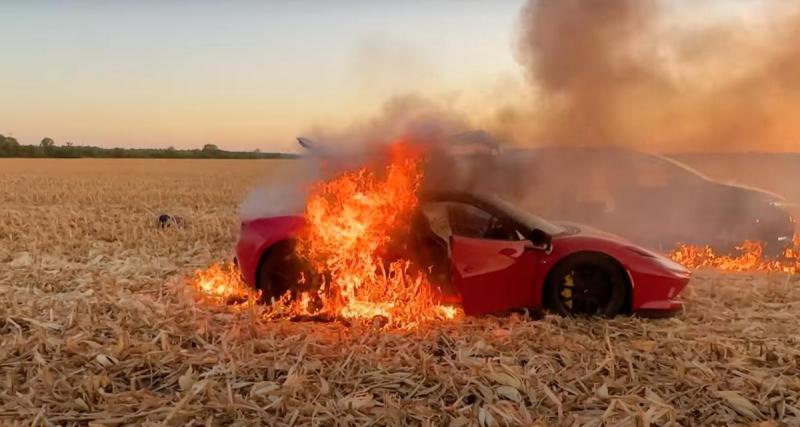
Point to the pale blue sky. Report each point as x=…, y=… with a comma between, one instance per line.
x=242, y=75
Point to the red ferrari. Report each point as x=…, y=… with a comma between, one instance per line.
x=490, y=256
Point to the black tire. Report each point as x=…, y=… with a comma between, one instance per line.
x=281, y=271
x=587, y=284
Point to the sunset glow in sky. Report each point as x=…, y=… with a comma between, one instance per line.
x=245, y=75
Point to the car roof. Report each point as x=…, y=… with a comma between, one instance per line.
x=611, y=151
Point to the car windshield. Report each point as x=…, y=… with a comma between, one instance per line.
x=524, y=217
x=682, y=166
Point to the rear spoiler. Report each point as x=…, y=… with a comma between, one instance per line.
x=312, y=146
x=305, y=143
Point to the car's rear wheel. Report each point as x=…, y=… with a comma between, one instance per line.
x=587, y=284
x=282, y=271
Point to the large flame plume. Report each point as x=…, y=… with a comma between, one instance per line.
x=750, y=258
x=358, y=224
x=356, y=243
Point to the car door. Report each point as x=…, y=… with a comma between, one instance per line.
x=491, y=274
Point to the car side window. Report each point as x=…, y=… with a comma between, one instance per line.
x=461, y=219
x=436, y=216
x=468, y=221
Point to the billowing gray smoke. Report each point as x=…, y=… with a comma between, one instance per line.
x=412, y=118
x=585, y=57
x=428, y=124
x=632, y=73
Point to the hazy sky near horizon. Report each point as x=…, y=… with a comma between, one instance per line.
x=243, y=75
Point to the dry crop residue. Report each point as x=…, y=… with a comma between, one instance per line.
x=96, y=328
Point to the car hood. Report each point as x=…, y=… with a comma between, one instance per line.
x=573, y=228
x=622, y=249
x=765, y=195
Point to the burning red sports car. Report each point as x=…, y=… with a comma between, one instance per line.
x=488, y=255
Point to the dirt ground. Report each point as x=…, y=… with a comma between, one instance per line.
x=97, y=328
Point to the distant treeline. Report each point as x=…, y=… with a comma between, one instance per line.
x=10, y=147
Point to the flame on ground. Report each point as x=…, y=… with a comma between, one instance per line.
x=221, y=283
x=750, y=258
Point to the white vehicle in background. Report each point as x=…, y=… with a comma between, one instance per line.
x=650, y=199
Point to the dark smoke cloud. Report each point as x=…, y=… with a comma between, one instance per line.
x=411, y=118
x=585, y=58
x=612, y=72
x=403, y=115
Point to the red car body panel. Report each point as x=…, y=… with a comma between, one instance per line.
x=655, y=280
x=498, y=275
x=258, y=235
x=493, y=275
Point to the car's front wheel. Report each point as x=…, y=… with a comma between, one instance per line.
x=587, y=284
x=282, y=271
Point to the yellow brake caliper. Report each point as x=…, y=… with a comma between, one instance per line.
x=566, y=292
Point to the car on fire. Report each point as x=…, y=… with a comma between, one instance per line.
x=490, y=256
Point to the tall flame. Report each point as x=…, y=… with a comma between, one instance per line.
x=355, y=224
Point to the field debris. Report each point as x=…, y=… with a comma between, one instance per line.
x=165, y=220
x=99, y=328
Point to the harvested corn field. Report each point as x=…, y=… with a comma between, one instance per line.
x=99, y=328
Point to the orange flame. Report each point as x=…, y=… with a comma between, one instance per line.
x=354, y=221
x=750, y=258
x=355, y=227
x=221, y=283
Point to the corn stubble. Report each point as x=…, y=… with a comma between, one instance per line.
x=98, y=328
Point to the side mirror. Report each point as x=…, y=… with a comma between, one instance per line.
x=539, y=240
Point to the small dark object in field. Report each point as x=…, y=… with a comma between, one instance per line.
x=165, y=221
